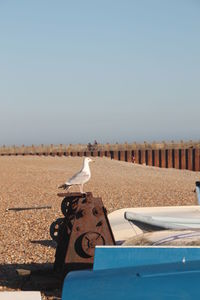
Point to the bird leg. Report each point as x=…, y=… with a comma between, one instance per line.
x=81, y=188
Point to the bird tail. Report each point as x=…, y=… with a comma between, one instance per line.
x=64, y=186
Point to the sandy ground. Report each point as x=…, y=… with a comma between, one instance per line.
x=33, y=181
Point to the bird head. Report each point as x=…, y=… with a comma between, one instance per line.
x=88, y=160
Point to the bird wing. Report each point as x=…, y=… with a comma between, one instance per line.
x=79, y=178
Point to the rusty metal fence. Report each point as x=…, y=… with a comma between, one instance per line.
x=171, y=155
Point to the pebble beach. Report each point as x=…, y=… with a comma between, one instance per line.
x=32, y=181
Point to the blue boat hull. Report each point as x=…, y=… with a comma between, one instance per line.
x=137, y=273
x=171, y=281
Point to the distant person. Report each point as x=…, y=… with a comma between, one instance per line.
x=95, y=145
x=89, y=146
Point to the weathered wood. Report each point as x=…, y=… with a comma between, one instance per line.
x=150, y=162
x=197, y=160
x=102, y=153
x=143, y=157
x=129, y=156
x=122, y=155
x=136, y=156
x=156, y=163
x=176, y=158
x=163, y=158
x=108, y=154
x=169, y=155
x=115, y=155
x=74, y=154
x=183, y=159
x=190, y=159
x=95, y=153
x=172, y=155
x=66, y=153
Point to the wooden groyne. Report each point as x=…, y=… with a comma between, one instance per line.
x=164, y=155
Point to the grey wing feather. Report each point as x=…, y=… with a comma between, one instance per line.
x=78, y=178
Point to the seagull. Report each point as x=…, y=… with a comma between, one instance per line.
x=79, y=178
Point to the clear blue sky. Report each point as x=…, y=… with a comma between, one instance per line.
x=75, y=71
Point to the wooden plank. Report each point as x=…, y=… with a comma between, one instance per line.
x=197, y=160
x=108, y=154
x=115, y=154
x=150, y=160
x=170, y=160
x=183, y=159
x=88, y=153
x=136, y=156
x=163, y=158
x=73, y=153
x=102, y=153
x=176, y=158
x=122, y=155
x=190, y=162
x=95, y=153
x=67, y=153
x=156, y=163
x=143, y=158
x=105, y=153
x=80, y=153
x=129, y=156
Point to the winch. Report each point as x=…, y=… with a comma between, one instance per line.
x=84, y=226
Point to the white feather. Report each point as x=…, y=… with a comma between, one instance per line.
x=82, y=176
